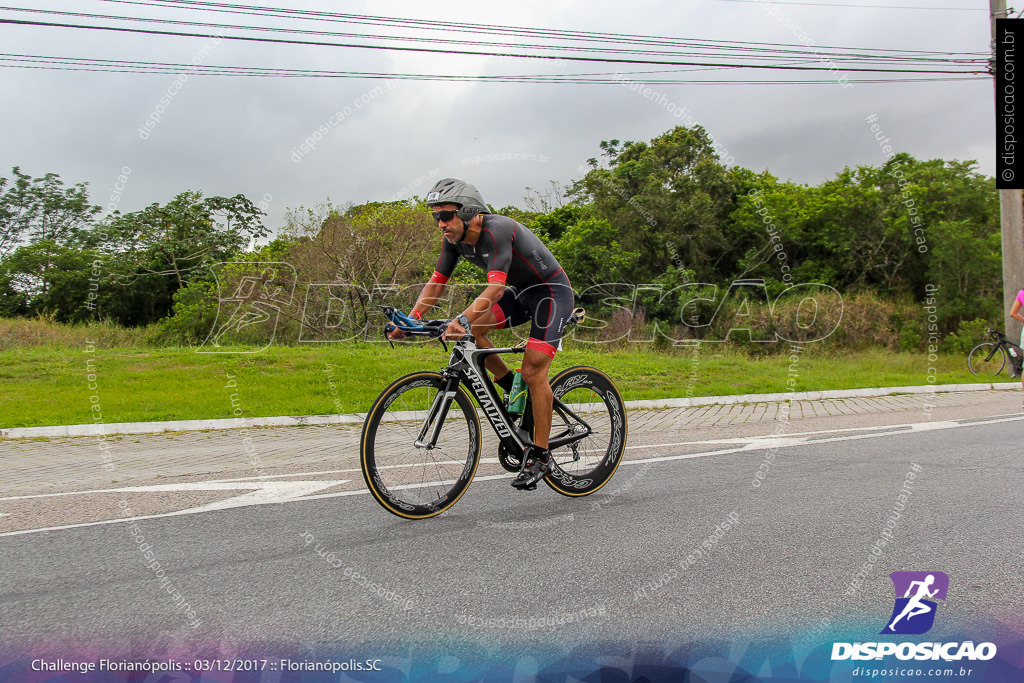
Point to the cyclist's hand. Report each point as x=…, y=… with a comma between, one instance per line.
x=454, y=331
x=392, y=332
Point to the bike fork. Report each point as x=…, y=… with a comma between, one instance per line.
x=438, y=411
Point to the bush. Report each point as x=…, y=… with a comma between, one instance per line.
x=967, y=336
x=910, y=339
x=45, y=331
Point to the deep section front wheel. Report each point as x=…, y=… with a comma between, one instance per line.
x=409, y=476
x=987, y=358
x=591, y=403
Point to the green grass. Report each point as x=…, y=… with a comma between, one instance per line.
x=49, y=384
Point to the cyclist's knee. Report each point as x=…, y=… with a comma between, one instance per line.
x=532, y=373
x=535, y=369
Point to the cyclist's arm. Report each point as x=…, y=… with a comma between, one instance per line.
x=500, y=247
x=1015, y=311
x=483, y=303
x=433, y=290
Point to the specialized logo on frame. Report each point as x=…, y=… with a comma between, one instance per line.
x=916, y=594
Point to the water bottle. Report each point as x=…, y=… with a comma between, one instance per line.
x=517, y=395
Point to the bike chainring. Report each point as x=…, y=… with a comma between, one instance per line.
x=508, y=461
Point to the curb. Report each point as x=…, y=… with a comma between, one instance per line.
x=103, y=429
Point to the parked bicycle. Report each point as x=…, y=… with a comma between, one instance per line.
x=989, y=358
x=420, y=445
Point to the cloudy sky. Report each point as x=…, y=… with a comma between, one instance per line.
x=384, y=139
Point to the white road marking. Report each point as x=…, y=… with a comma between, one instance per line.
x=287, y=492
x=928, y=426
x=263, y=493
x=264, y=477
x=273, y=491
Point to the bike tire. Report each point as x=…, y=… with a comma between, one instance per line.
x=414, y=482
x=582, y=468
x=987, y=358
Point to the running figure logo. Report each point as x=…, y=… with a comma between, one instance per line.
x=913, y=613
x=259, y=290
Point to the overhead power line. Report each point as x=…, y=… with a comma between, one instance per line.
x=480, y=53
x=494, y=29
x=693, y=48
x=546, y=46
x=839, y=4
x=606, y=78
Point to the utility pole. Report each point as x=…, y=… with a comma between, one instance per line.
x=1011, y=214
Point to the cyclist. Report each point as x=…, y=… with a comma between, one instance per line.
x=524, y=282
x=1015, y=313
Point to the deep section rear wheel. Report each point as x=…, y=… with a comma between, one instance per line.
x=983, y=362
x=414, y=481
x=584, y=466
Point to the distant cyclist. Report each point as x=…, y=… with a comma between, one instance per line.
x=1015, y=313
x=524, y=282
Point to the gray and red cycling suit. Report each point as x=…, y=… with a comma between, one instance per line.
x=537, y=288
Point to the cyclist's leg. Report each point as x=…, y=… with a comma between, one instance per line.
x=536, y=364
x=507, y=312
x=550, y=306
x=481, y=328
x=1022, y=359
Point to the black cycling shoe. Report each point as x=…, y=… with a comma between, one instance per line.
x=537, y=466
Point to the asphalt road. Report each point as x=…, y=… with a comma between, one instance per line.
x=648, y=560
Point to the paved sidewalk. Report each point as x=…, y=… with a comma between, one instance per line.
x=357, y=418
x=78, y=463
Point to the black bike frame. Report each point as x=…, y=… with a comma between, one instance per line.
x=1001, y=341
x=466, y=366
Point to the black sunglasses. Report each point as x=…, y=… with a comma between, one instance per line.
x=443, y=215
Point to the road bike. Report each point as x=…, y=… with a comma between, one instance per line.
x=420, y=444
x=989, y=358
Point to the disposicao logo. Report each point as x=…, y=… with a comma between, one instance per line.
x=913, y=614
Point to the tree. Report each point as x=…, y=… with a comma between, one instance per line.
x=49, y=278
x=37, y=209
x=673, y=191
x=552, y=225
x=349, y=253
x=186, y=234
x=547, y=200
x=965, y=269
x=589, y=250
x=767, y=221
x=368, y=244
x=156, y=251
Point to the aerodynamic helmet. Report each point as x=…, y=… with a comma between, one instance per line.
x=458, y=191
